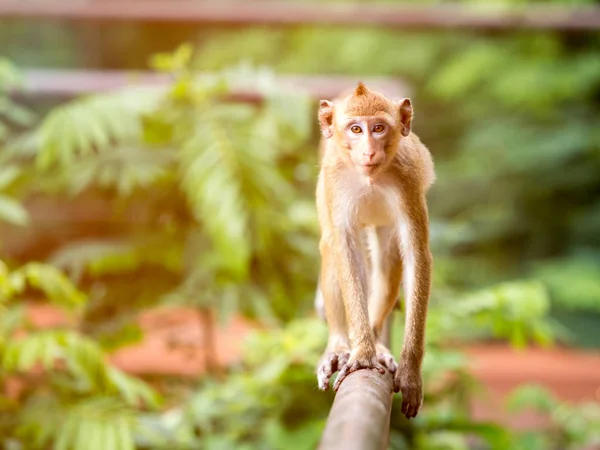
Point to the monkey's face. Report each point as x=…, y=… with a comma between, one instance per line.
x=367, y=139
x=367, y=127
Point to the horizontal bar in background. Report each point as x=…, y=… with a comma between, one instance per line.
x=281, y=13
x=69, y=83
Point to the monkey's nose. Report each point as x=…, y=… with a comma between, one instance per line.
x=369, y=156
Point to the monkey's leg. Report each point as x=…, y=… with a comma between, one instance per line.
x=338, y=347
x=418, y=264
x=386, y=274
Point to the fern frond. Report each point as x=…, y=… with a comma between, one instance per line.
x=11, y=211
x=6, y=285
x=515, y=310
x=15, y=113
x=84, y=359
x=48, y=279
x=39, y=419
x=101, y=258
x=292, y=115
x=93, y=124
x=76, y=257
x=11, y=319
x=9, y=75
x=8, y=174
x=133, y=391
x=212, y=181
x=532, y=396
x=228, y=177
x=82, y=356
x=55, y=285
x=124, y=169
x=97, y=424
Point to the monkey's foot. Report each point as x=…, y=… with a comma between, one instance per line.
x=411, y=386
x=330, y=363
x=384, y=356
x=357, y=363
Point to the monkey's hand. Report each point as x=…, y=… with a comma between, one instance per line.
x=385, y=357
x=358, y=360
x=409, y=382
x=330, y=363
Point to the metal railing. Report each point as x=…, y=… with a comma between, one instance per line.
x=68, y=83
x=281, y=13
x=359, y=418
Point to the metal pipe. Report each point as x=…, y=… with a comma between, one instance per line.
x=71, y=82
x=360, y=415
x=402, y=17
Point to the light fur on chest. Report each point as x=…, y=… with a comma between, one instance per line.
x=369, y=205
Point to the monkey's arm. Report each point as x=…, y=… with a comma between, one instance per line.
x=417, y=286
x=351, y=272
x=352, y=277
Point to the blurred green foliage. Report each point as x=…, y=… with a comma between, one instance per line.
x=269, y=401
x=509, y=116
x=58, y=390
x=511, y=122
x=226, y=195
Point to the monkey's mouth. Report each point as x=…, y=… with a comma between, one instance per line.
x=369, y=167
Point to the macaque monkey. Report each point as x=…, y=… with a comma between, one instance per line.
x=371, y=189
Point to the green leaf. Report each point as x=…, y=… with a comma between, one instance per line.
x=8, y=174
x=182, y=56
x=532, y=396
x=93, y=124
x=9, y=75
x=39, y=418
x=133, y=391
x=574, y=282
x=11, y=211
x=466, y=70
x=212, y=181
x=16, y=113
x=125, y=168
x=106, y=418
x=12, y=319
x=101, y=258
x=57, y=287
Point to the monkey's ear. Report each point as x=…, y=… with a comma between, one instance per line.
x=406, y=115
x=326, y=118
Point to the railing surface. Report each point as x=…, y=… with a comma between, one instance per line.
x=281, y=13
x=69, y=83
x=359, y=418
x=360, y=415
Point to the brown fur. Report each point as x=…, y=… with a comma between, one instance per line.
x=364, y=102
x=376, y=183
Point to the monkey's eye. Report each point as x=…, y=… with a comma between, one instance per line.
x=378, y=128
x=356, y=129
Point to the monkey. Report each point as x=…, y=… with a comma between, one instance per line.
x=374, y=224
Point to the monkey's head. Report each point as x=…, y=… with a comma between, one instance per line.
x=367, y=126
